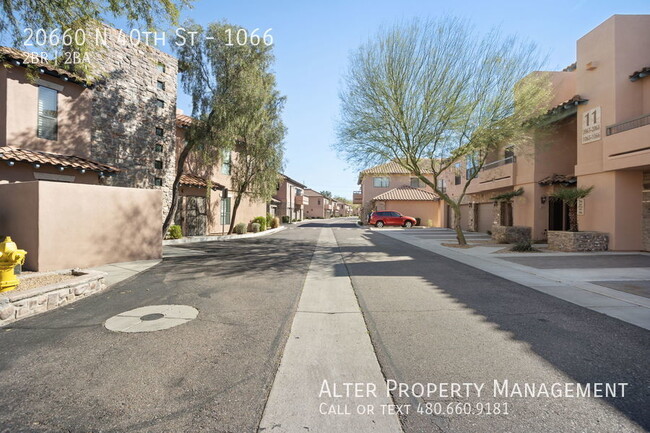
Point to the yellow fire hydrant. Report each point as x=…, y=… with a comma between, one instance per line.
x=10, y=257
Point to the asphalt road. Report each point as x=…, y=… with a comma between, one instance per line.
x=434, y=320
x=62, y=371
x=430, y=319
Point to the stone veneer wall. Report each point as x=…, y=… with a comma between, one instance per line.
x=577, y=241
x=125, y=115
x=646, y=210
x=511, y=234
x=16, y=305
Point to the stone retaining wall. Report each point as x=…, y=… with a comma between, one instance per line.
x=18, y=305
x=577, y=241
x=511, y=234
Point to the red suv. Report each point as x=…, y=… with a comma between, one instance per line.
x=390, y=218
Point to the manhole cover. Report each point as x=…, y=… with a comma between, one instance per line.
x=151, y=318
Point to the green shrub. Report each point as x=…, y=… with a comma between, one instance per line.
x=261, y=221
x=523, y=247
x=240, y=228
x=175, y=232
x=255, y=227
x=269, y=220
x=275, y=223
x=286, y=219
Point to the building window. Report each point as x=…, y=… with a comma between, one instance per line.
x=158, y=148
x=457, y=179
x=47, y=125
x=158, y=164
x=160, y=85
x=160, y=103
x=441, y=185
x=160, y=132
x=381, y=182
x=161, y=67
x=226, y=162
x=416, y=182
x=319, y=202
x=157, y=181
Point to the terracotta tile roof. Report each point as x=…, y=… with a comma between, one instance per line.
x=183, y=119
x=644, y=72
x=406, y=193
x=199, y=182
x=558, y=179
x=575, y=100
x=24, y=58
x=393, y=167
x=37, y=157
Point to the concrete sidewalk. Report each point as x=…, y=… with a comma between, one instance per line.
x=117, y=272
x=573, y=284
x=328, y=347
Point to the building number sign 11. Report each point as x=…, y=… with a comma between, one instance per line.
x=591, y=125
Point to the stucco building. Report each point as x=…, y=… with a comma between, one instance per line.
x=207, y=207
x=123, y=117
x=291, y=198
x=599, y=135
x=389, y=186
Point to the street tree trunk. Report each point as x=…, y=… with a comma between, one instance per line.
x=177, y=181
x=233, y=215
x=460, y=236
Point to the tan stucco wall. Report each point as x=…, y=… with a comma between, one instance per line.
x=317, y=207
x=19, y=218
x=425, y=210
x=20, y=114
x=617, y=48
x=615, y=207
x=80, y=225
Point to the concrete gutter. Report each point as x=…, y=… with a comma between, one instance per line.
x=218, y=238
x=328, y=347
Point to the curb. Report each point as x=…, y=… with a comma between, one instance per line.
x=214, y=238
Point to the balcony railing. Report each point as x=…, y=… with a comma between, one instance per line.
x=628, y=124
x=499, y=163
x=472, y=170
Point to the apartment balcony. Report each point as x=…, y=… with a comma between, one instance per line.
x=357, y=197
x=626, y=144
x=301, y=200
x=494, y=175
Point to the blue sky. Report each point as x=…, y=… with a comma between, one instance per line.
x=314, y=38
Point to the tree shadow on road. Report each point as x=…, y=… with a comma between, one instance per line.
x=587, y=346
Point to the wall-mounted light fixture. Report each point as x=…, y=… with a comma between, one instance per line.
x=544, y=198
x=82, y=170
x=61, y=168
x=37, y=165
x=10, y=163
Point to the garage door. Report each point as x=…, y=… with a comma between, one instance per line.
x=464, y=217
x=485, y=216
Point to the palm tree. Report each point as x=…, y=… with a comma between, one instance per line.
x=570, y=197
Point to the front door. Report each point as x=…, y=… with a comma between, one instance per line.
x=558, y=215
x=196, y=217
